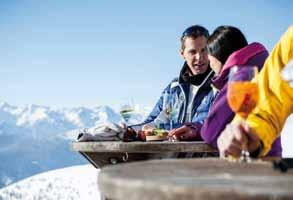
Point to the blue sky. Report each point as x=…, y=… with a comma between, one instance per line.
x=91, y=53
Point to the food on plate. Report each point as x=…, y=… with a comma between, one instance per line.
x=150, y=133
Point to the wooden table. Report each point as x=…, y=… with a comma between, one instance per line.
x=101, y=154
x=208, y=179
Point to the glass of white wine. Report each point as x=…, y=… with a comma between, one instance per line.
x=171, y=108
x=127, y=110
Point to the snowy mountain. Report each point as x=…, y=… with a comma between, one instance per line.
x=78, y=182
x=35, y=138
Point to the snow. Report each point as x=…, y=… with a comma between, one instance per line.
x=77, y=182
x=33, y=116
x=45, y=120
x=74, y=118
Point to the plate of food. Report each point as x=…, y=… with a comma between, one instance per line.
x=154, y=134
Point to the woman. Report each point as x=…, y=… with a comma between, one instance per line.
x=265, y=123
x=227, y=46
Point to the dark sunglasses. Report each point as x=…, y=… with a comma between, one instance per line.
x=195, y=31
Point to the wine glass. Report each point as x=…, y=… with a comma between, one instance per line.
x=127, y=110
x=171, y=107
x=243, y=94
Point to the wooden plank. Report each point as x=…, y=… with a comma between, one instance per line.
x=141, y=147
x=210, y=179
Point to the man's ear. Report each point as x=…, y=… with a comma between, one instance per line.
x=181, y=52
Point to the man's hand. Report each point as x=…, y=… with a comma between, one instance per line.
x=184, y=133
x=237, y=137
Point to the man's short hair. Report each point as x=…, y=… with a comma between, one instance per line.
x=194, y=32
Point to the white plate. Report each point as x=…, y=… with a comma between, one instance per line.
x=155, y=138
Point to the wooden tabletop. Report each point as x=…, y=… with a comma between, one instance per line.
x=141, y=147
x=210, y=179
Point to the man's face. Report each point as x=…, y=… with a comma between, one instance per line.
x=195, y=54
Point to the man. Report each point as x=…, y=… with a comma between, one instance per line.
x=185, y=102
x=264, y=125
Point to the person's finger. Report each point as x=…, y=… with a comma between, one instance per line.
x=171, y=133
x=235, y=141
x=182, y=129
x=245, y=127
x=180, y=136
x=188, y=135
x=233, y=150
x=239, y=137
x=184, y=134
x=223, y=146
x=183, y=137
x=178, y=131
x=223, y=139
x=231, y=140
x=238, y=134
x=252, y=136
x=253, y=139
x=229, y=144
x=220, y=144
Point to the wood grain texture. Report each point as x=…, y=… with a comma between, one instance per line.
x=141, y=147
x=208, y=179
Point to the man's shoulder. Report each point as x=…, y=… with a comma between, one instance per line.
x=174, y=82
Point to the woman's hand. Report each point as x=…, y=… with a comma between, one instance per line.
x=187, y=132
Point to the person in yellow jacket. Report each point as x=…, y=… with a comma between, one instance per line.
x=265, y=123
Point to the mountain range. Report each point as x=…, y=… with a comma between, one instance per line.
x=36, y=138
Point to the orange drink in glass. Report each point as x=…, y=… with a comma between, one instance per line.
x=242, y=94
x=242, y=97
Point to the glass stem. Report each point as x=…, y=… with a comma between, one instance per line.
x=245, y=156
x=243, y=123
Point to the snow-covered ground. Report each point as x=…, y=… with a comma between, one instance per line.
x=78, y=182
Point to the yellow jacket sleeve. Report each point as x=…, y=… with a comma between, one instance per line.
x=275, y=95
